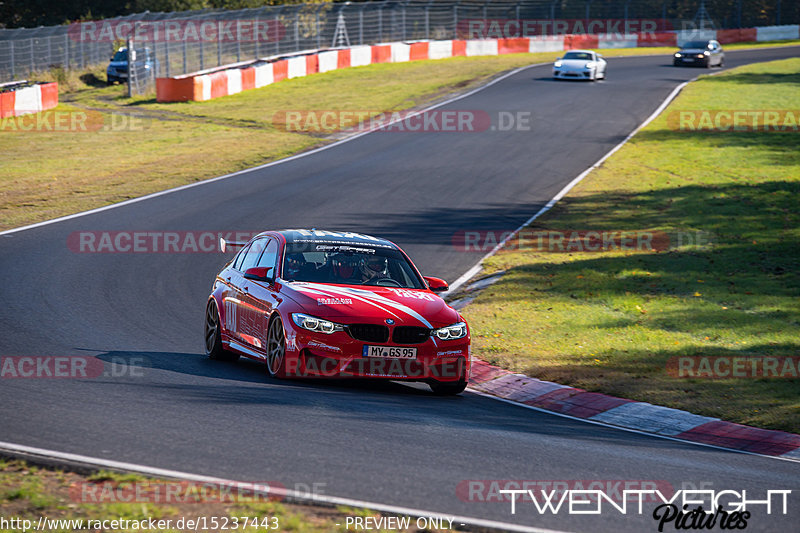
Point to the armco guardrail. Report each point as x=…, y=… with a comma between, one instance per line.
x=234, y=78
x=22, y=98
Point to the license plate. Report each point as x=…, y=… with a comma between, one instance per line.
x=688, y=59
x=389, y=352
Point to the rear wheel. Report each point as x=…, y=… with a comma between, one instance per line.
x=276, y=349
x=213, y=335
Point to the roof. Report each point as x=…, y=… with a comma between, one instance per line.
x=333, y=237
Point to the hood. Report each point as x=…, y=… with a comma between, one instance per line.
x=352, y=304
x=692, y=50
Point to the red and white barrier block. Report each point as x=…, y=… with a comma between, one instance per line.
x=22, y=99
x=241, y=77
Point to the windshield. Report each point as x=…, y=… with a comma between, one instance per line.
x=357, y=264
x=121, y=55
x=578, y=55
x=695, y=44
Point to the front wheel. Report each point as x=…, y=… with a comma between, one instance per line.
x=276, y=349
x=213, y=336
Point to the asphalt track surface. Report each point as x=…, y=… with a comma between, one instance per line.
x=386, y=443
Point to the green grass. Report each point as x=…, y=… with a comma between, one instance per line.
x=610, y=321
x=180, y=143
x=28, y=492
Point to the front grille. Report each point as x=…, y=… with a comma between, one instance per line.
x=410, y=335
x=368, y=332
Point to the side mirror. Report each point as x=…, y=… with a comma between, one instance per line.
x=436, y=284
x=258, y=273
x=558, y=59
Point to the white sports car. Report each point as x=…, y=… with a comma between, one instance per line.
x=580, y=65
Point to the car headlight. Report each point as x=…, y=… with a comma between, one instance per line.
x=557, y=64
x=677, y=54
x=453, y=332
x=312, y=323
x=590, y=64
x=706, y=53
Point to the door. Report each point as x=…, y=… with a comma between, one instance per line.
x=259, y=297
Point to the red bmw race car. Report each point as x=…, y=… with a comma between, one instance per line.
x=312, y=303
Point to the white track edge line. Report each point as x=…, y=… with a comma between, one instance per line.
x=259, y=489
x=630, y=430
x=469, y=274
x=549, y=205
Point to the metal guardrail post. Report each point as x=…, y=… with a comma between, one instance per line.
x=428, y=20
x=405, y=8
x=219, y=43
x=296, y=29
x=131, y=70
x=455, y=20
x=277, y=30
x=361, y=25
x=257, y=34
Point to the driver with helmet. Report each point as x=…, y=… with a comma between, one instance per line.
x=373, y=268
x=344, y=268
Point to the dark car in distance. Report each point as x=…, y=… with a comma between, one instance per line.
x=707, y=53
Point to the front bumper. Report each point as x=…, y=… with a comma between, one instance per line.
x=690, y=61
x=583, y=74
x=338, y=355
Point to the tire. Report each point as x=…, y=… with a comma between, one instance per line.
x=213, y=336
x=276, y=349
x=448, y=389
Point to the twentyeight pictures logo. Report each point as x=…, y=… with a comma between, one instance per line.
x=683, y=509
